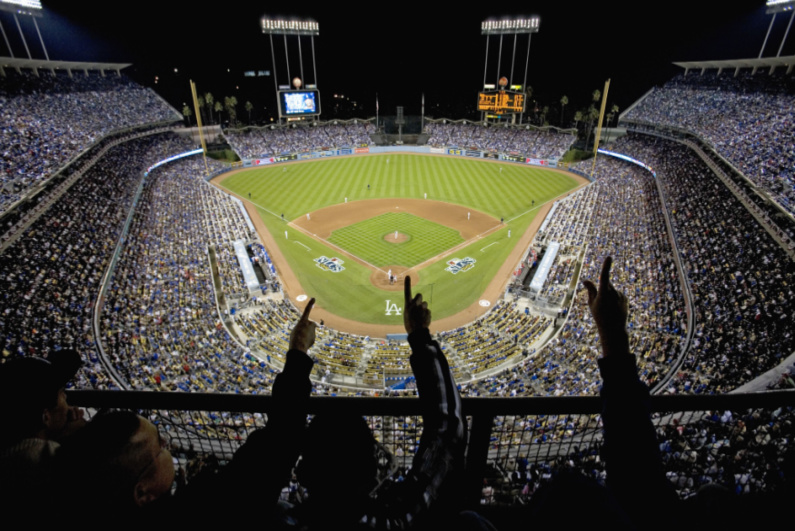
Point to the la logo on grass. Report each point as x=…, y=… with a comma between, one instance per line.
x=392, y=308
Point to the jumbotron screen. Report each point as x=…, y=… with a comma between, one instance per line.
x=501, y=101
x=299, y=102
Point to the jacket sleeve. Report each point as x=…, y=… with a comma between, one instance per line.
x=263, y=465
x=634, y=468
x=440, y=457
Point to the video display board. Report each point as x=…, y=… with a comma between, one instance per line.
x=299, y=103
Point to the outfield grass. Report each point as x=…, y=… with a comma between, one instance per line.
x=370, y=239
x=478, y=184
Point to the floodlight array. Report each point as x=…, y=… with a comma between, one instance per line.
x=779, y=6
x=22, y=7
x=510, y=26
x=280, y=26
x=25, y=4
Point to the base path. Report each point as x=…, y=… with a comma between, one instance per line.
x=322, y=222
x=326, y=220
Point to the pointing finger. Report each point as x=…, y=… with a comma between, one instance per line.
x=305, y=315
x=604, y=279
x=589, y=286
x=407, y=289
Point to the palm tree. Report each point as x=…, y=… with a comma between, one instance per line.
x=209, y=99
x=230, y=102
x=187, y=113
x=563, y=102
x=614, y=112
x=528, y=93
x=218, y=108
x=544, y=112
x=249, y=108
x=593, y=115
x=577, y=119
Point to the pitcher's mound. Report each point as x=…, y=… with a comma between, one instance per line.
x=390, y=238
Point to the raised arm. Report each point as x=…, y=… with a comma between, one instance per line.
x=609, y=309
x=632, y=458
x=263, y=465
x=440, y=458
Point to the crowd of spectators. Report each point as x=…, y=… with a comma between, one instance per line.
x=160, y=324
x=160, y=304
x=733, y=449
x=619, y=215
x=51, y=284
x=748, y=118
x=162, y=329
x=500, y=139
x=277, y=140
x=47, y=120
x=740, y=277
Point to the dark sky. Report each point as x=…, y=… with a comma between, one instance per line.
x=402, y=49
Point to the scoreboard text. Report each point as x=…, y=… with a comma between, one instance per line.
x=501, y=102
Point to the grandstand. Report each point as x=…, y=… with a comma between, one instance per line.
x=137, y=271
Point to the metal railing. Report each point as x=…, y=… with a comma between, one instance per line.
x=515, y=444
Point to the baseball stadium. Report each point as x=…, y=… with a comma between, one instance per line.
x=518, y=300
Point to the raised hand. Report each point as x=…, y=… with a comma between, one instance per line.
x=609, y=308
x=416, y=314
x=303, y=335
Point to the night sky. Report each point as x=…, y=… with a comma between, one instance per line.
x=403, y=49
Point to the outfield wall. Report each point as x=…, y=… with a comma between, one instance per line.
x=383, y=150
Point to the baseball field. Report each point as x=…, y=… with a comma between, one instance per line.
x=336, y=228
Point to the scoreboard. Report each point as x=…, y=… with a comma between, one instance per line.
x=501, y=101
x=298, y=103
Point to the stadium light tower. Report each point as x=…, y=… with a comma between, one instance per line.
x=774, y=7
x=293, y=101
x=502, y=102
x=31, y=8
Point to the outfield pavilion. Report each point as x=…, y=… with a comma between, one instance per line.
x=691, y=343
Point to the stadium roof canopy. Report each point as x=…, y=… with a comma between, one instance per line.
x=38, y=64
x=736, y=64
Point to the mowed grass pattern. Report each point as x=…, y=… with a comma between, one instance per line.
x=295, y=189
x=365, y=239
x=513, y=191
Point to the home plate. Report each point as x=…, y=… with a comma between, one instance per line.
x=484, y=303
x=302, y=298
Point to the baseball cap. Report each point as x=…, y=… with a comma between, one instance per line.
x=29, y=385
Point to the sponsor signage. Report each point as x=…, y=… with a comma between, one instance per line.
x=542, y=162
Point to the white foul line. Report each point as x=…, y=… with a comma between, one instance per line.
x=489, y=245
